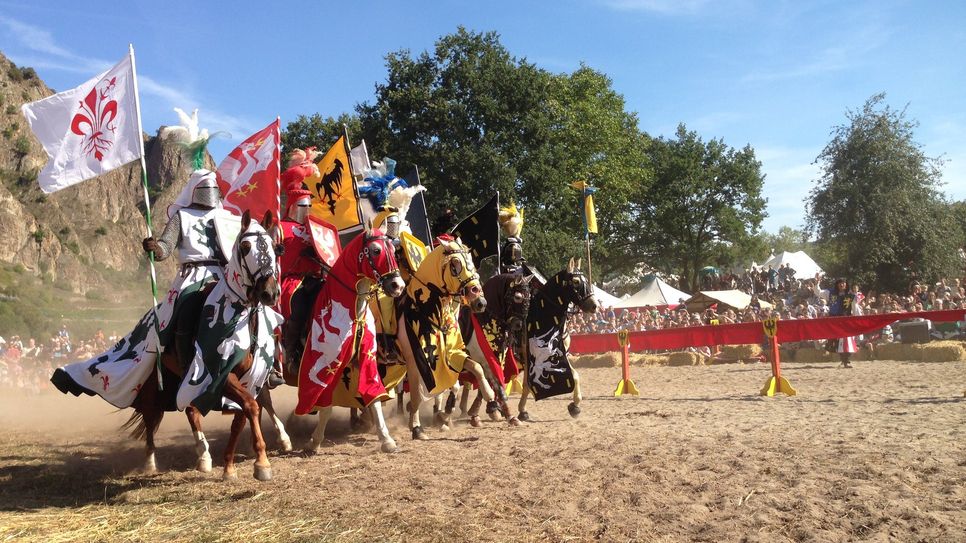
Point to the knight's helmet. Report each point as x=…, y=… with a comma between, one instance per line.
x=390, y=221
x=298, y=202
x=206, y=192
x=511, y=253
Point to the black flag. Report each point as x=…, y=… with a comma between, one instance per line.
x=418, y=220
x=481, y=230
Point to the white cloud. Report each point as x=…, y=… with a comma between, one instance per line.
x=845, y=54
x=45, y=53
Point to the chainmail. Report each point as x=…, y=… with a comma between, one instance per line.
x=170, y=238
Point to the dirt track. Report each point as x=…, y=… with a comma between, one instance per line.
x=873, y=453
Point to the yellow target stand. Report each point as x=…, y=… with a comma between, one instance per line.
x=776, y=383
x=626, y=386
x=514, y=387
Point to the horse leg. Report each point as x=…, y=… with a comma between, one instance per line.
x=474, y=411
x=237, y=425
x=315, y=445
x=522, y=406
x=201, y=444
x=382, y=430
x=235, y=391
x=265, y=400
x=574, y=407
x=152, y=420
x=464, y=401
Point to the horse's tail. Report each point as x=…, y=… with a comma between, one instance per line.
x=137, y=426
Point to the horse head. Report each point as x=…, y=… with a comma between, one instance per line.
x=509, y=296
x=379, y=262
x=254, y=256
x=577, y=289
x=460, y=277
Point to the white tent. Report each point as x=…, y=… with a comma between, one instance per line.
x=655, y=293
x=605, y=299
x=731, y=298
x=804, y=266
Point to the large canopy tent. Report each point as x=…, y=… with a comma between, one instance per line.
x=804, y=266
x=734, y=299
x=605, y=299
x=655, y=293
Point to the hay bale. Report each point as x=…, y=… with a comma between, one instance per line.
x=898, y=351
x=942, y=351
x=601, y=360
x=811, y=355
x=740, y=352
x=643, y=359
x=685, y=359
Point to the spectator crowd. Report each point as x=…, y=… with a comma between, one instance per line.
x=789, y=298
x=27, y=364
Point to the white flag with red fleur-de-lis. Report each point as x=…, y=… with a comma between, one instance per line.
x=89, y=130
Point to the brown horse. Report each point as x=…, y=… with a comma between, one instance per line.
x=249, y=286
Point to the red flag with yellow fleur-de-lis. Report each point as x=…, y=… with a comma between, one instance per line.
x=249, y=175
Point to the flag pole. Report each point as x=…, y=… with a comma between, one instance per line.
x=590, y=275
x=147, y=215
x=278, y=168
x=144, y=175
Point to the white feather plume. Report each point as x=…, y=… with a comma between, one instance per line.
x=401, y=198
x=188, y=131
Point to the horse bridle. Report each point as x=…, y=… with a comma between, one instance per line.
x=465, y=282
x=372, y=264
x=588, y=293
x=262, y=259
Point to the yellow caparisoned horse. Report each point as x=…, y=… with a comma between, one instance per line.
x=428, y=331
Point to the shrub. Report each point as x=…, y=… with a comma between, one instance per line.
x=65, y=231
x=100, y=231
x=11, y=109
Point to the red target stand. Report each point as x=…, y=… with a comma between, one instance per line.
x=626, y=386
x=776, y=383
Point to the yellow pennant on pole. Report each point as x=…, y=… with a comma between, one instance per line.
x=590, y=213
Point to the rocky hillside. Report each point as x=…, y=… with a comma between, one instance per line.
x=87, y=236
x=74, y=256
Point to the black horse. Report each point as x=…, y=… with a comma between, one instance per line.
x=548, y=370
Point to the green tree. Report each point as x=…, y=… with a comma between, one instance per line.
x=476, y=120
x=705, y=200
x=878, y=202
x=315, y=131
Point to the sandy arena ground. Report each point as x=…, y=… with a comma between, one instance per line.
x=875, y=453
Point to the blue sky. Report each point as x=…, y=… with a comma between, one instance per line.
x=777, y=75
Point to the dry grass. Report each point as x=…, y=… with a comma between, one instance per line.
x=686, y=359
x=870, y=454
x=637, y=359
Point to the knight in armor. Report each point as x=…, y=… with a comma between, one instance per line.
x=301, y=273
x=190, y=232
x=511, y=253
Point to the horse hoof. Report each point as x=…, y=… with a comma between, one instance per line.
x=524, y=417
x=513, y=421
x=204, y=464
x=230, y=475
x=492, y=407
x=444, y=427
x=419, y=434
x=286, y=445
x=263, y=473
x=389, y=447
x=495, y=416
x=475, y=422
x=573, y=410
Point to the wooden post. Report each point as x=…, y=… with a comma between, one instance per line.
x=626, y=385
x=776, y=383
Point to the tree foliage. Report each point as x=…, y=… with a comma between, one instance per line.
x=314, y=131
x=878, y=201
x=476, y=119
x=704, y=202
